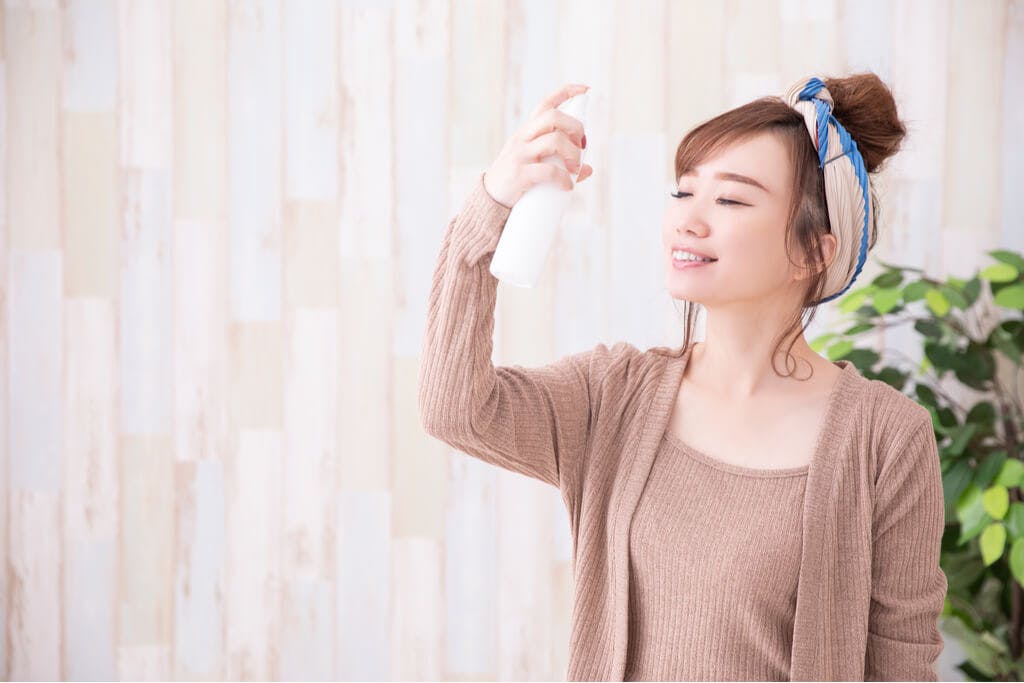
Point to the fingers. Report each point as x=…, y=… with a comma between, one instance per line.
x=557, y=97
x=556, y=143
x=554, y=120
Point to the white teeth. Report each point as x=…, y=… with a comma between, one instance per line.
x=681, y=255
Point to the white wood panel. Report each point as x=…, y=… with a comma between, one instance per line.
x=35, y=328
x=418, y=610
x=90, y=514
x=311, y=99
x=145, y=337
x=33, y=622
x=145, y=88
x=90, y=56
x=363, y=561
x=32, y=38
x=422, y=192
x=254, y=158
x=199, y=571
x=252, y=547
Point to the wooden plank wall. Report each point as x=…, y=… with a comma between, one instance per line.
x=219, y=223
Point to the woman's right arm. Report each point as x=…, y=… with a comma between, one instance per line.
x=528, y=420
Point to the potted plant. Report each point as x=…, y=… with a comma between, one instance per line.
x=971, y=332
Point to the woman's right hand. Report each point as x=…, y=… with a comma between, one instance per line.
x=547, y=131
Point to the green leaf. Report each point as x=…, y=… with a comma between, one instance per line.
x=1010, y=257
x=954, y=296
x=1015, y=520
x=885, y=299
x=1012, y=473
x=840, y=349
x=992, y=542
x=937, y=302
x=890, y=278
x=916, y=291
x=818, y=343
x=954, y=482
x=928, y=328
x=1011, y=297
x=996, y=501
x=853, y=300
x=1017, y=560
x=971, y=514
x=999, y=272
x=988, y=469
x=856, y=329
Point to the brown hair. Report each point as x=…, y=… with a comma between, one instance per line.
x=866, y=108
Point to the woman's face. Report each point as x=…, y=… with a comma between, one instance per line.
x=738, y=223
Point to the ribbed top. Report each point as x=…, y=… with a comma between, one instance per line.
x=723, y=609
x=590, y=423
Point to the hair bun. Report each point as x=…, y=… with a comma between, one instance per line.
x=865, y=106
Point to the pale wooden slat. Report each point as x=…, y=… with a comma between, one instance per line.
x=970, y=218
x=254, y=111
x=147, y=558
x=311, y=99
x=305, y=645
x=1012, y=237
x=310, y=441
x=366, y=132
x=144, y=335
x=90, y=57
x=33, y=41
x=200, y=341
x=90, y=609
x=34, y=618
x=90, y=202
x=35, y=347
x=199, y=571
x=362, y=583
x=417, y=611
x=145, y=87
x=422, y=194
x=199, y=101
x=470, y=568
x=815, y=26
x=753, y=50
x=867, y=34
x=524, y=586
x=253, y=477
x=91, y=516
x=5, y=454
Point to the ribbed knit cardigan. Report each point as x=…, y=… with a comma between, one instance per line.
x=870, y=585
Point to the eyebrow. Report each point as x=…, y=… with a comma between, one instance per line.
x=736, y=177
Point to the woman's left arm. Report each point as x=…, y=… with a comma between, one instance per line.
x=908, y=587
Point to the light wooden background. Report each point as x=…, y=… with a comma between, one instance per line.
x=220, y=219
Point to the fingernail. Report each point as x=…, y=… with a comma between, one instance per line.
x=584, y=141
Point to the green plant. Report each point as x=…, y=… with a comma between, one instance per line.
x=972, y=331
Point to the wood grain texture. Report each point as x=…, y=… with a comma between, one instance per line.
x=218, y=222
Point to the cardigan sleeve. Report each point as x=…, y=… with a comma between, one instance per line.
x=534, y=421
x=908, y=584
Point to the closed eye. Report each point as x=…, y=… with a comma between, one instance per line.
x=680, y=195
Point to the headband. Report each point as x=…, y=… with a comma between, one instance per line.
x=846, y=183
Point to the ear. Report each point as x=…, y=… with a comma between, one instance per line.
x=829, y=247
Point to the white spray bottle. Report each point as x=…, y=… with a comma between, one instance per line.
x=526, y=240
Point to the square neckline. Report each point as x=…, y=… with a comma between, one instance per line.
x=831, y=404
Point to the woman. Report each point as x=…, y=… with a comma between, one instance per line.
x=729, y=521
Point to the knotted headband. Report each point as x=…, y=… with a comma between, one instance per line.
x=846, y=183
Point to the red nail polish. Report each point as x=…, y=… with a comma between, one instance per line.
x=584, y=141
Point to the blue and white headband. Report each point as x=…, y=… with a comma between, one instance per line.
x=847, y=190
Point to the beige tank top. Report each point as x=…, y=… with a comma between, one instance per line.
x=714, y=553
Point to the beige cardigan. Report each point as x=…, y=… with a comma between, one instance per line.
x=870, y=589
